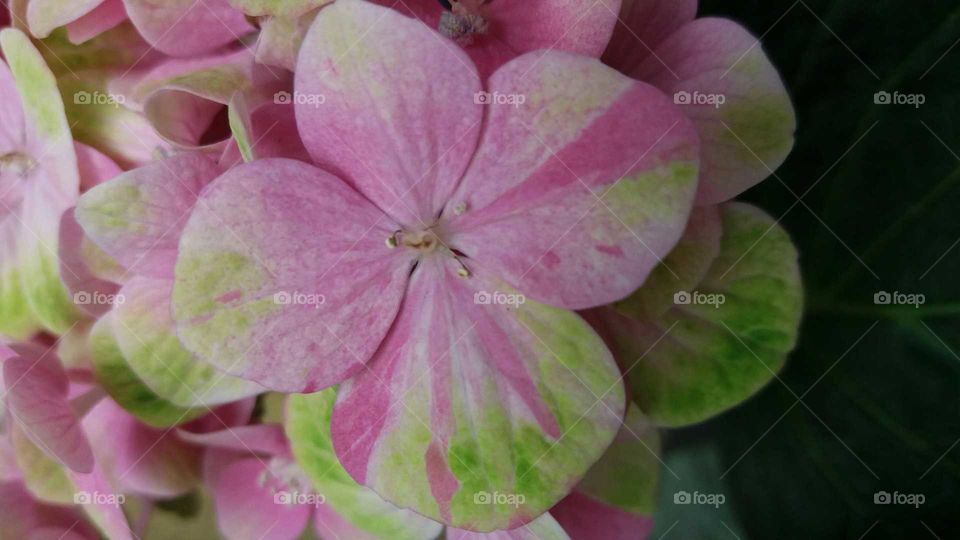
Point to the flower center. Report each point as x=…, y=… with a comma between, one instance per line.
x=14, y=169
x=427, y=242
x=16, y=164
x=463, y=19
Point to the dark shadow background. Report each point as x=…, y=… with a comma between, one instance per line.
x=879, y=385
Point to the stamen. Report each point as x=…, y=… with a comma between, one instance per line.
x=459, y=209
x=16, y=163
x=463, y=20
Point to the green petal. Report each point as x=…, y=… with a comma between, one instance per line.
x=122, y=384
x=308, y=428
x=286, y=8
x=699, y=359
x=626, y=475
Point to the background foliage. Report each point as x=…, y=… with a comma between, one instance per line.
x=878, y=386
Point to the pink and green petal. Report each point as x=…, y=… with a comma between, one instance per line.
x=681, y=270
x=43, y=16
x=751, y=133
x=544, y=527
x=146, y=335
x=699, y=359
x=351, y=510
x=123, y=385
x=137, y=217
x=120, y=132
x=50, y=186
x=45, y=477
x=37, y=398
x=299, y=290
x=399, y=118
x=141, y=459
x=642, y=25
x=575, y=195
x=107, y=15
x=465, y=398
x=188, y=27
x=247, y=508
x=184, y=98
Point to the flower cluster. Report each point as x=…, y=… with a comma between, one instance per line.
x=383, y=269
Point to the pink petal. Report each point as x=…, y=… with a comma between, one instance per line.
x=137, y=217
x=82, y=281
x=575, y=195
x=585, y=518
x=143, y=460
x=227, y=415
x=273, y=133
x=299, y=289
x=187, y=27
x=398, y=119
x=461, y=400
x=267, y=439
x=94, y=166
x=515, y=28
x=644, y=24
x=104, y=17
x=104, y=509
x=748, y=135
x=247, y=508
x=12, y=129
x=37, y=389
x=22, y=516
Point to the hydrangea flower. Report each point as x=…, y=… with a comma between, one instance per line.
x=570, y=200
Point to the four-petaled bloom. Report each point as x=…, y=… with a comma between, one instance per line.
x=570, y=199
